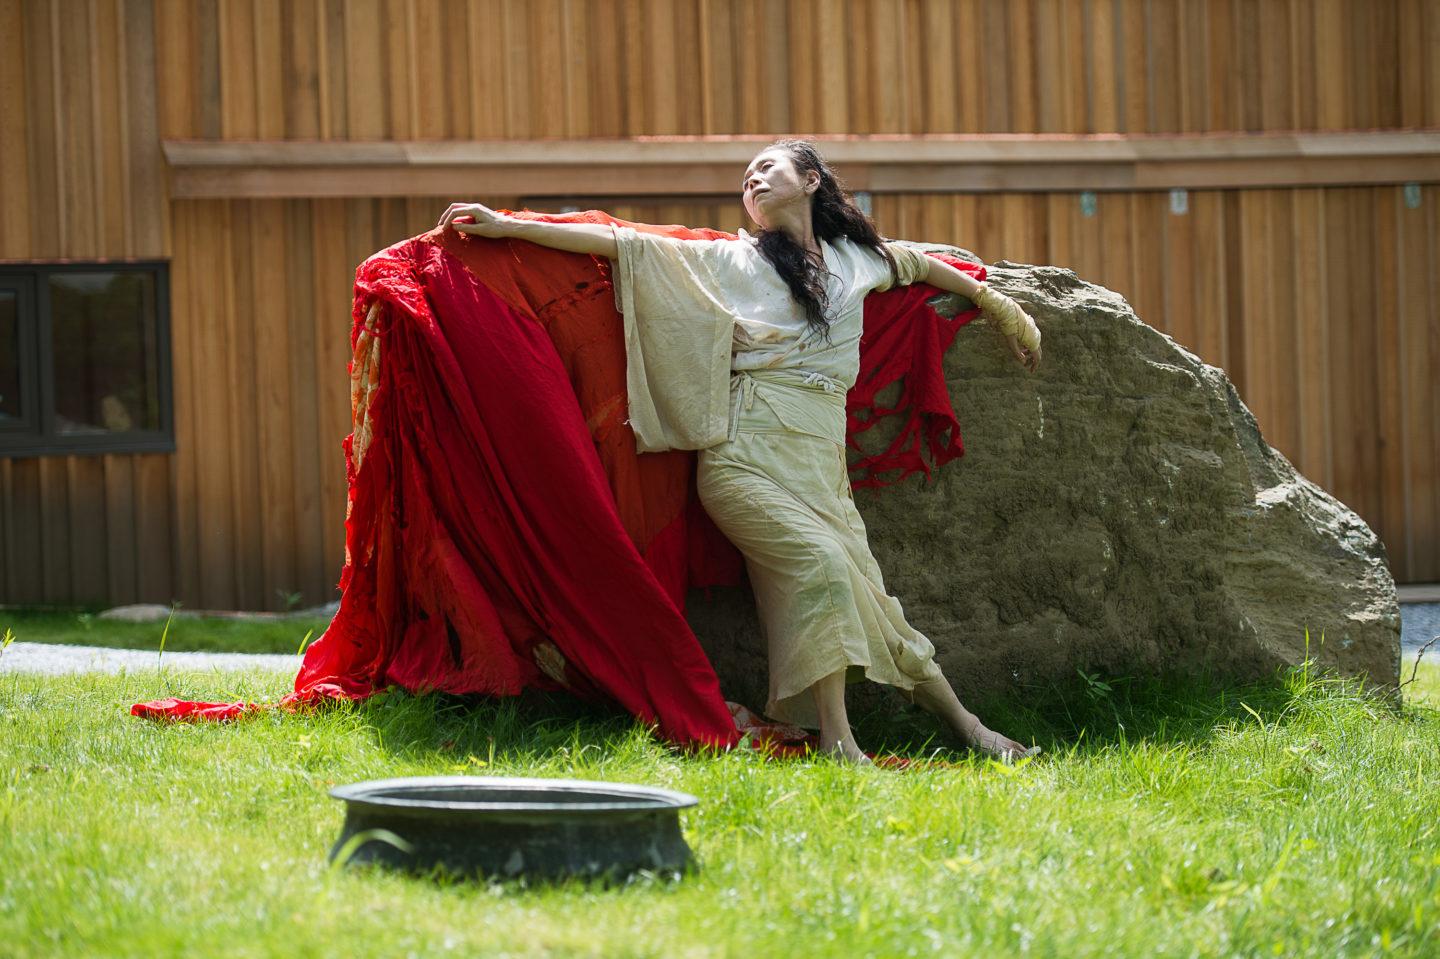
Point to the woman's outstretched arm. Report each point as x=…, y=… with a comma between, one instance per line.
x=594, y=238
x=1021, y=333
x=949, y=279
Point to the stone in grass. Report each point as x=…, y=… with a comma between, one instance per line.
x=156, y=613
x=1117, y=511
x=144, y=613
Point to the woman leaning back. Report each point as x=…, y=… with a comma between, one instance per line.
x=778, y=486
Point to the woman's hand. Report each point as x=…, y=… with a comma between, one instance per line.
x=1017, y=326
x=1030, y=359
x=487, y=221
x=596, y=239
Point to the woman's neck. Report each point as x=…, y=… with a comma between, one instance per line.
x=798, y=226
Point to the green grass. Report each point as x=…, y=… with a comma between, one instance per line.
x=1167, y=818
x=205, y=634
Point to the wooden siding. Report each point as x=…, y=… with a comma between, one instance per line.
x=82, y=177
x=458, y=69
x=1320, y=302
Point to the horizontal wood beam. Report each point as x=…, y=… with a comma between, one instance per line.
x=708, y=166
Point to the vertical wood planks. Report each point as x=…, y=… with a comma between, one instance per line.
x=175, y=48
x=107, y=161
x=1346, y=480
x=1416, y=388
x=240, y=369
x=487, y=72
x=1425, y=473
x=1285, y=325
x=1312, y=357
x=14, y=124
x=155, y=509
x=235, y=44
x=333, y=275
x=300, y=64
x=1255, y=378
x=1178, y=276
x=1211, y=282
x=366, y=106
x=1020, y=64
x=212, y=262
x=45, y=115
x=84, y=523
x=485, y=68
x=300, y=421
x=27, y=547
x=1385, y=324
x=270, y=70
x=121, y=559
x=147, y=207
x=1332, y=86
x=1148, y=213
x=1163, y=80
x=189, y=308
x=271, y=354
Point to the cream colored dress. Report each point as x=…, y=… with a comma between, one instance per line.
x=719, y=359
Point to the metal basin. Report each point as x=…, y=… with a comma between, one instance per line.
x=497, y=827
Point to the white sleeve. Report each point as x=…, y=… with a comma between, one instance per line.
x=678, y=332
x=913, y=266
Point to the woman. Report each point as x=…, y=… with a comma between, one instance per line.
x=772, y=470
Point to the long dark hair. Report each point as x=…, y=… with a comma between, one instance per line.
x=833, y=215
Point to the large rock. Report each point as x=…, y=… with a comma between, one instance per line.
x=1116, y=511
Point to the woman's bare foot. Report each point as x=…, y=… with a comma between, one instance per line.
x=835, y=737
x=845, y=750
x=938, y=697
x=979, y=736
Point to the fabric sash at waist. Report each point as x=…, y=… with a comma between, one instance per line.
x=792, y=400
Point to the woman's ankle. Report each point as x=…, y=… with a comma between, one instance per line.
x=844, y=748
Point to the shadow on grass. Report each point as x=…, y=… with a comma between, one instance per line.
x=529, y=728
x=1094, y=712
x=1088, y=715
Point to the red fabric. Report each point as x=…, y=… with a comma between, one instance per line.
x=502, y=531
x=180, y=709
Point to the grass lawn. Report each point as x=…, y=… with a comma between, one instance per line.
x=201, y=635
x=1164, y=819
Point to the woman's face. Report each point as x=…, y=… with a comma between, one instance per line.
x=772, y=182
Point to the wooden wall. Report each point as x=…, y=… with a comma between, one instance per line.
x=1319, y=302
x=426, y=69
x=82, y=177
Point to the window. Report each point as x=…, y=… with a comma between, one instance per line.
x=85, y=358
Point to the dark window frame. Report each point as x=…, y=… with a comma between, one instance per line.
x=35, y=434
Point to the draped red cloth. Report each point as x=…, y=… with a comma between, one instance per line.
x=502, y=531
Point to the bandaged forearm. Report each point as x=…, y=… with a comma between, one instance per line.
x=1007, y=316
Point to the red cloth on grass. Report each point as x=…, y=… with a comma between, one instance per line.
x=502, y=532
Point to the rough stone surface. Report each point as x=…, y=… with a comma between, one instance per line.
x=1116, y=511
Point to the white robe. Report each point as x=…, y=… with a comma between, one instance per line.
x=697, y=309
x=720, y=359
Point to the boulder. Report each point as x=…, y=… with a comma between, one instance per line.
x=156, y=613
x=1117, y=511
x=144, y=613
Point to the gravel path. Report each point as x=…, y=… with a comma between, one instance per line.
x=1419, y=623
x=53, y=659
